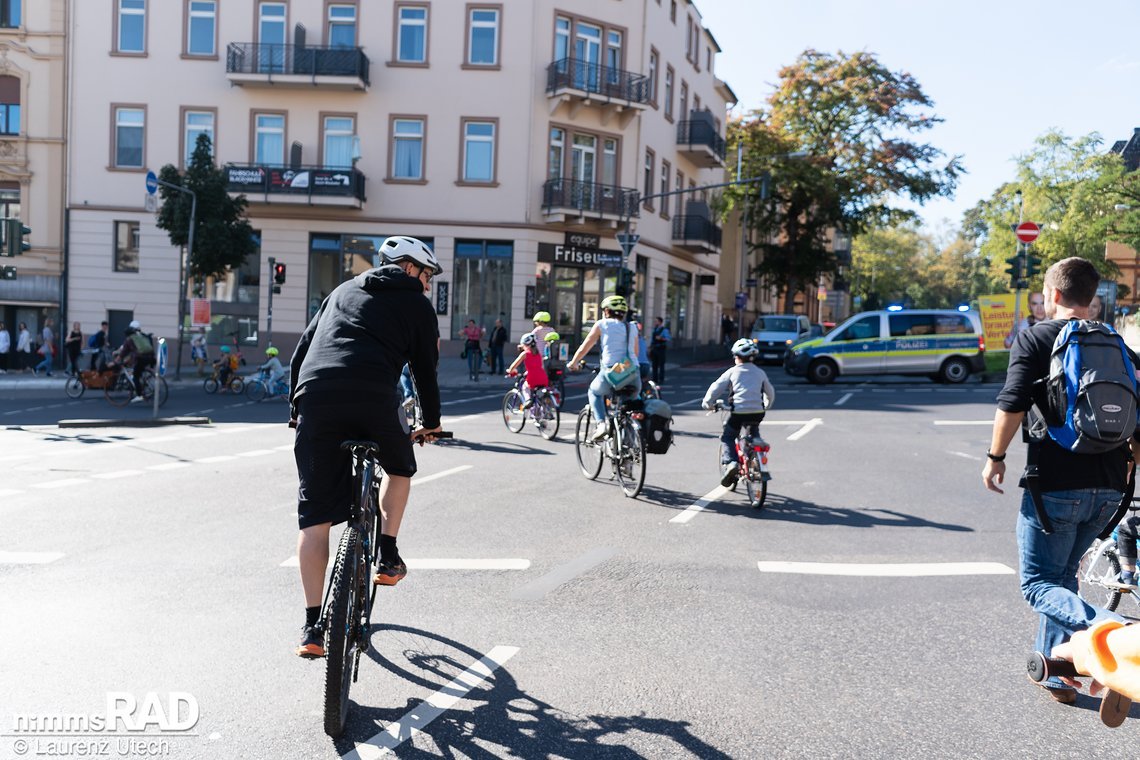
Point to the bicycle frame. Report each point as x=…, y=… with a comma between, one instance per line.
x=364, y=517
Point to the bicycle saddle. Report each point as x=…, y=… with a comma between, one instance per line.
x=354, y=446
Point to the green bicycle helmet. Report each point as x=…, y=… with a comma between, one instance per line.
x=542, y=316
x=615, y=303
x=552, y=336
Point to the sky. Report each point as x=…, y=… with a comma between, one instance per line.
x=1000, y=73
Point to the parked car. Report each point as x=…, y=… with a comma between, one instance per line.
x=775, y=333
x=943, y=344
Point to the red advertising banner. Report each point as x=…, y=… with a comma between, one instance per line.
x=199, y=312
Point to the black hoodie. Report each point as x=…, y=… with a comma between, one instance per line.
x=365, y=332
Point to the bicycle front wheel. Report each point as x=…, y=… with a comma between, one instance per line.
x=513, y=415
x=256, y=390
x=589, y=454
x=342, y=644
x=120, y=391
x=150, y=382
x=74, y=387
x=631, y=462
x=237, y=385
x=210, y=385
x=1098, y=565
x=547, y=416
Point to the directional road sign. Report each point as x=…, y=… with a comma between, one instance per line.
x=627, y=242
x=1027, y=232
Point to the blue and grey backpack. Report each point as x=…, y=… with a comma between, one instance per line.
x=1091, y=390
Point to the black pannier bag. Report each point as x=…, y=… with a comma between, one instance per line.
x=658, y=426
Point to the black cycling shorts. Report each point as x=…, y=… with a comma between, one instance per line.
x=324, y=421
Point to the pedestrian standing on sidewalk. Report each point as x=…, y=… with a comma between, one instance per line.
x=497, y=340
x=1079, y=493
x=98, y=341
x=657, y=347
x=472, y=334
x=47, y=338
x=5, y=348
x=23, y=349
x=73, y=344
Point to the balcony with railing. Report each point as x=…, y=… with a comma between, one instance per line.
x=696, y=233
x=298, y=185
x=583, y=83
x=697, y=139
x=569, y=200
x=251, y=64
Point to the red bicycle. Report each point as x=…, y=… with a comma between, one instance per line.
x=752, y=458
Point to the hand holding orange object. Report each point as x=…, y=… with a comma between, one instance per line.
x=1110, y=653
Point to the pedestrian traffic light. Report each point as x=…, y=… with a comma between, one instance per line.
x=1014, y=269
x=1032, y=266
x=15, y=234
x=7, y=273
x=624, y=284
x=279, y=273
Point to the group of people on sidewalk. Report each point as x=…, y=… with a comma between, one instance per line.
x=26, y=354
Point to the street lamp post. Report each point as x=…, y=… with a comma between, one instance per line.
x=182, y=270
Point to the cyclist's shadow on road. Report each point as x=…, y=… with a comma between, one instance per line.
x=505, y=721
x=793, y=510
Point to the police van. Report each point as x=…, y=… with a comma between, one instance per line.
x=943, y=344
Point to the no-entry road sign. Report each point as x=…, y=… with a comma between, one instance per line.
x=1027, y=232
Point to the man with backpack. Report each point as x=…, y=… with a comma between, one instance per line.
x=138, y=350
x=1081, y=438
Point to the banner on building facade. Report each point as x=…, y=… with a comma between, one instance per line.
x=441, y=294
x=588, y=257
x=199, y=312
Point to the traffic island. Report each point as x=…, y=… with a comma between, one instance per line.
x=148, y=422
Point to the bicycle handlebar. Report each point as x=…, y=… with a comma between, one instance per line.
x=422, y=439
x=1041, y=667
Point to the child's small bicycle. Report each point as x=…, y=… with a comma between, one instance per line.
x=258, y=387
x=543, y=410
x=212, y=383
x=752, y=459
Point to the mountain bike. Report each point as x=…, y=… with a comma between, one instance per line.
x=1099, y=566
x=350, y=593
x=543, y=410
x=623, y=444
x=752, y=459
x=121, y=389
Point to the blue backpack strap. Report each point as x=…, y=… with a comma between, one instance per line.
x=1068, y=343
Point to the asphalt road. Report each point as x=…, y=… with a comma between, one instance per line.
x=162, y=560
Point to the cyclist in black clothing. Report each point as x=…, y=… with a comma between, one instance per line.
x=346, y=369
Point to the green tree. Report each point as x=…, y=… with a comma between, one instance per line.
x=855, y=119
x=223, y=237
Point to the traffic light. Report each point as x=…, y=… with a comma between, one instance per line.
x=279, y=273
x=7, y=273
x=1032, y=266
x=624, y=284
x=1014, y=270
x=15, y=234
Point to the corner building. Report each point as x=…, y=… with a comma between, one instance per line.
x=515, y=137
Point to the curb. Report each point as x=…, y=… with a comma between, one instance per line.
x=155, y=422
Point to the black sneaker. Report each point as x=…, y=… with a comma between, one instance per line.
x=312, y=642
x=389, y=573
x=731, y=473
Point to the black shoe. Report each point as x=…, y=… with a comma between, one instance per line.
x=731, y=473
x=312, y=642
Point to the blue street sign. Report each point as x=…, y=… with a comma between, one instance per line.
x=161, y=358
x=151, y=182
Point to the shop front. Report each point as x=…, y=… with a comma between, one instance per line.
x=570, y=283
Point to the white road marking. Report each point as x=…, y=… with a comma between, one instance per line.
x=10, y=491
x=963, y=422
x=811, y=425
x=286, y=447
x=691, y=401
x=417, y=719
x=901, y=569
x=843, y=399
x=201, y=434
x=116, y=474
x=699, y=505
x=256, y=453
x=169, y=466
x=243, y=429
x=438, y=475
x=28, y=558
x=447, y=564
x=452, y=420
x=213, y=460
x=61, y=483
x=161, y=439
x=472, y=398
x=964, y=455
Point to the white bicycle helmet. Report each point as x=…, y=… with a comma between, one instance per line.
x=401, y=248
x=529, y=340
x=744, y=348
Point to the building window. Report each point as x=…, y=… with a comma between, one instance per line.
x=666, y=170
x=339, y=136
x=342, y=26
x=126, y=246
x=10, y=13
x=269, y=139
x=689, y=38
x=678, y=186
x=561, y=38
x=708, y=59
x=696, y=102
x=131, y=26
x=669, y=93
x=557, y=150
x=196, y=123
x=408, y=149
x=653, y=65
x=647, y=180
x=270, y=37
x=684, y=114
x=483, y=36
x=673, y=11
x=478, y=151
x=130, y=128
x=411, y=34
x=483, y=281
x=200, y=26
x=9, y=105
x=609, y=163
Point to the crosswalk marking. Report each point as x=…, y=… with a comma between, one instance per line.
x=900, y=569
x=28, y=558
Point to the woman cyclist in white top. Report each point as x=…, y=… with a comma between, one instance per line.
x=619, y=343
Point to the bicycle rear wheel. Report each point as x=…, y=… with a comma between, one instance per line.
x=343, y=617
x=754, y=482
x=631, y=462
x=150, y=382
x=74, y=387
x=590, y=454
x=256, y=390
x=513, y=415
x=120, y=391
x=237, y=385
x=547, y=416
x=1099, y=564
x=558, y=392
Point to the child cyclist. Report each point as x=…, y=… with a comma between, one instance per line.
x=747, y=385
x=273, y=366
x=531, y=359
x=226, y=365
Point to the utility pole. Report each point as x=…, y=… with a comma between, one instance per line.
x=182, y=270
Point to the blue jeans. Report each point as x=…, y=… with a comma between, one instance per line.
x=45, y=365
x=598, y=391
x=498, y=366
x=1049, y=562
x=474, y=356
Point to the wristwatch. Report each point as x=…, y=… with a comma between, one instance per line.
x=995, y=457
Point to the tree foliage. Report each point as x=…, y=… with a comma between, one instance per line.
x=855, y=118
x=223, y=237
